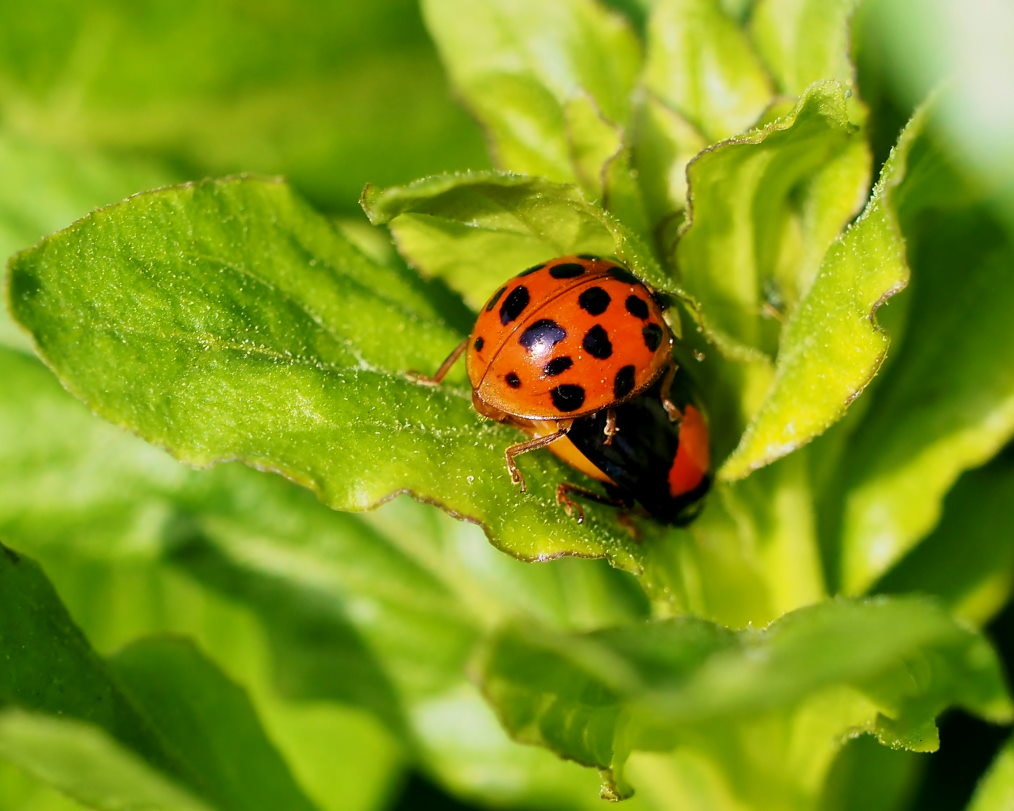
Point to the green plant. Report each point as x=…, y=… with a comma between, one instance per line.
x=859, y=394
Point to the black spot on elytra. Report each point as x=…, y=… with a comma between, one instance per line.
x=637, y=307
x=480, y=342
x=532, y=270
x=514, y=304
x=567, y=397
x=568, y=270
x=622, y=275
x=557, y=366
x=496, y=297
x=542, y=336
x=512, y=380
x=652, y=336
x=594, y=300
x=596, y=342
x=623, y=383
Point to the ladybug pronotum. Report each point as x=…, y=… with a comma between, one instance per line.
x=576, y=353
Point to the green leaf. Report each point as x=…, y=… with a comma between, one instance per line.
x=441, y=224
x=976, y=583
x=832, y=346
x=764, y=209
x=703, y=65
x=995, y=791
x=946, y=402
x=804, y=41
x=226, y=321
x=518, y=64
x=834, y=668
x=88, y=727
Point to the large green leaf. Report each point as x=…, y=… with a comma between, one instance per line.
x=519, y=64
x=832, y=346
x=742, y=701
x=96, y=731
x=225, y=320
x=703, y=65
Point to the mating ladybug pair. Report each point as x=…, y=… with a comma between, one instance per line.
x=575, y=352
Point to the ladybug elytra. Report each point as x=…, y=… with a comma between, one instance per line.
x=576, y=353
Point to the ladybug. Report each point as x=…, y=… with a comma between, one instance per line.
x=575, y=352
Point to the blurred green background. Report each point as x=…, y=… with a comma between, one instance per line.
x=104, y=98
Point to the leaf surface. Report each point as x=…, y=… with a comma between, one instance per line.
x=226, y=321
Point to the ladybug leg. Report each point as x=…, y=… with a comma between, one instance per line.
x=573, y=509
x=610, y=427
x=532, y=445
x=445, y=367
x=673, y=413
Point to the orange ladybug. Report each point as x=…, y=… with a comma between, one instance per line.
x=569, y=343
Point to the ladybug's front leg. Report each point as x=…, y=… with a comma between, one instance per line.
x=445, y=367
x=531, y=445
x=573, y=509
